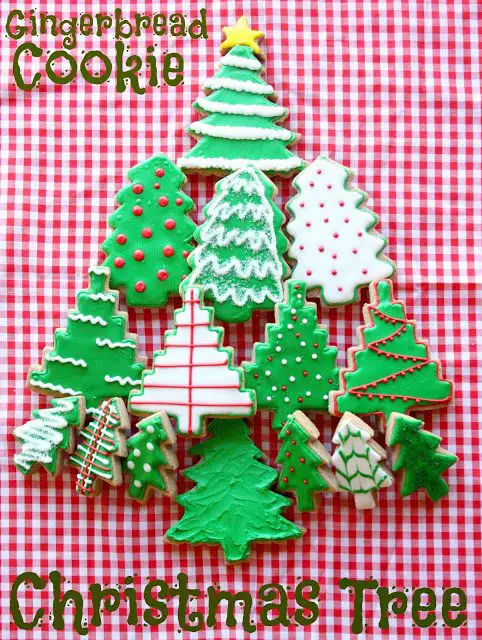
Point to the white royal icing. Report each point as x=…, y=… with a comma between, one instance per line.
x=99, y=270
x=105, y=342
x=331, y=244
x=54, y=387
x=266, y=111
x=41, y=435
x=105, y=297
x=239, y=85
x=264, y=164
x=191, y=378
x=76, y=363
x=239, y=133
x=122, y=381
x=76, y=316
x=231, y=60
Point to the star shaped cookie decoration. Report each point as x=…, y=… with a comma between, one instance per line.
x=241, y=33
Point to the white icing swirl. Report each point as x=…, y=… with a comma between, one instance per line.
x=266, y=111
x=239, y=133
x=76, y=316
x=122, y=381
x=239, y=85
x=76, y=363
x=225, y=164
x=232, y=60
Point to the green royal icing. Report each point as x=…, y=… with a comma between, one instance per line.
x=230, y=103
x=232, y=504
x=393, y=371
x=239, y=258
x=147, y=253
x=420, y=457
x=300, y=472
x=93, y=356
x=47, y=435
x=294, y=368
x=146, y=458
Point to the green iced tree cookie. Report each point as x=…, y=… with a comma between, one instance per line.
x=232, y=504
x=303, y=461
x=239, y=259
x=93, y=356
x=417, y=453
x=147, y=253
x=241, y=116
x=150, y=460
x=294, y=368
x=392, y=370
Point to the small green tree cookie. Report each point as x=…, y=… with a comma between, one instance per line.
x=304, y=459
x=49, y=435
x=147, y=253
x=294, y=368
x=239, y=260
x=232, y=504
x=151, y=460
x=417, y=454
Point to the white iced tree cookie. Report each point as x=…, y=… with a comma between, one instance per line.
x=335, y=245
x=358, y=461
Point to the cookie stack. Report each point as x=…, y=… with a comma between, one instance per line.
x=238, y=262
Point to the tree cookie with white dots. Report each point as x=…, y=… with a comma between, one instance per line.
x=151, y=460
x=334, y=242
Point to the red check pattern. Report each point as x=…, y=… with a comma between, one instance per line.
x=389, y=88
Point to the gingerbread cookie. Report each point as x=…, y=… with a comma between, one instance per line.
x=147, y=253
x=417, y=454
x=358, y=461
x=49, y=435
x=151, y=460
x=334, y=241
x=294, y=368
x=239, y=260
x=193, y=377
x=232, y=504
x=305, y=462
x=239, y=126
x=101, y=447
x=392, y=370
x=94, y=356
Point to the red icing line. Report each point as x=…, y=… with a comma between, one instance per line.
x=191, y=338
x=198, y=386
x=167, y=403
x=198, y=364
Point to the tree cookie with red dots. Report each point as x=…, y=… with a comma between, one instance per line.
x=304, y=462
x=152, y=234
x=294, y=368
x=334, y=241
x=391, y=371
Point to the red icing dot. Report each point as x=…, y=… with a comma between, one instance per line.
x=137, y=188
x=305, y=373
x=302, y=204
x=325, y=220
x=355, y=251
x=256, y=376
x=334, y=272
x=119, y=262
x=170, y=224
x=330, y=381
x=293, y=442
x=302, y=460
x=157, y=185
x=179, y=201
x=305, y=481
x=185, y=254
x=308, y=273
x=328, y=186
x=322, y=204
x=301, y=247
x=308, y=224
x=321, y=249
x=140, y=286
x=297, y=335
x=340, y=288
x=334, y=256
x=300, y=399
x=312, y=184
x=294, y=318
x=285, y=479
x=138, y=255
x=121, y=238
x=163, y=275
x=342, y=204
x=288, y=432
x=315, y=345
x=336, y=235
x=168, y=251
x=365, y=271
x=318, y=171
x=292, y=469
x=137, y=210
x=159, y=172
x=359, y=234
x=288, y=454
x=347, y=220
x=270, y=358
x=163, y=201
x=283, y=388
x=146, y=232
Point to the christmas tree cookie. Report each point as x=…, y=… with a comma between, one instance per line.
x=49, y=435
x=417, y=454
x=239, y=260
x=391, y=370
x=147, y=253
x=358, y=461
x=304, y=459
x=232, y=504
x=100, y=448
x=334, y=241
x=93, y=356
x=240, y=114
x=150, y=460
x=294, y=368
x=193, y=377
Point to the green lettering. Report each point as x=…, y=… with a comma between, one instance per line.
x=201, y=24
x=86, y=73
x=159, y=23
x=51, y=71
x=215, y=597
x=37, y=583
x=19, y=31
x=102, y=22
x=120, y=23
x=178, y=25
x=155, y=603
x=112, y=601
x=68, y=28
x=359, y=587
x=269, y=593
x=184, y=593
x=314, y=592
x=417, y=606
x=126, y=74
x=385, y=598
x=59, y=604
x=169, y=68
x=86, y=24
x=17, y=73
x=448, y=607
x=131, y=597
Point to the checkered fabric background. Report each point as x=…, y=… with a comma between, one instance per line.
x=390, y=89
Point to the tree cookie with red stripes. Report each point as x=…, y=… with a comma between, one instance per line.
x=101, y=447
x=193, y=377
x=392, y=370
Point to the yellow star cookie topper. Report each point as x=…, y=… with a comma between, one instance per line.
x=241, y=33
